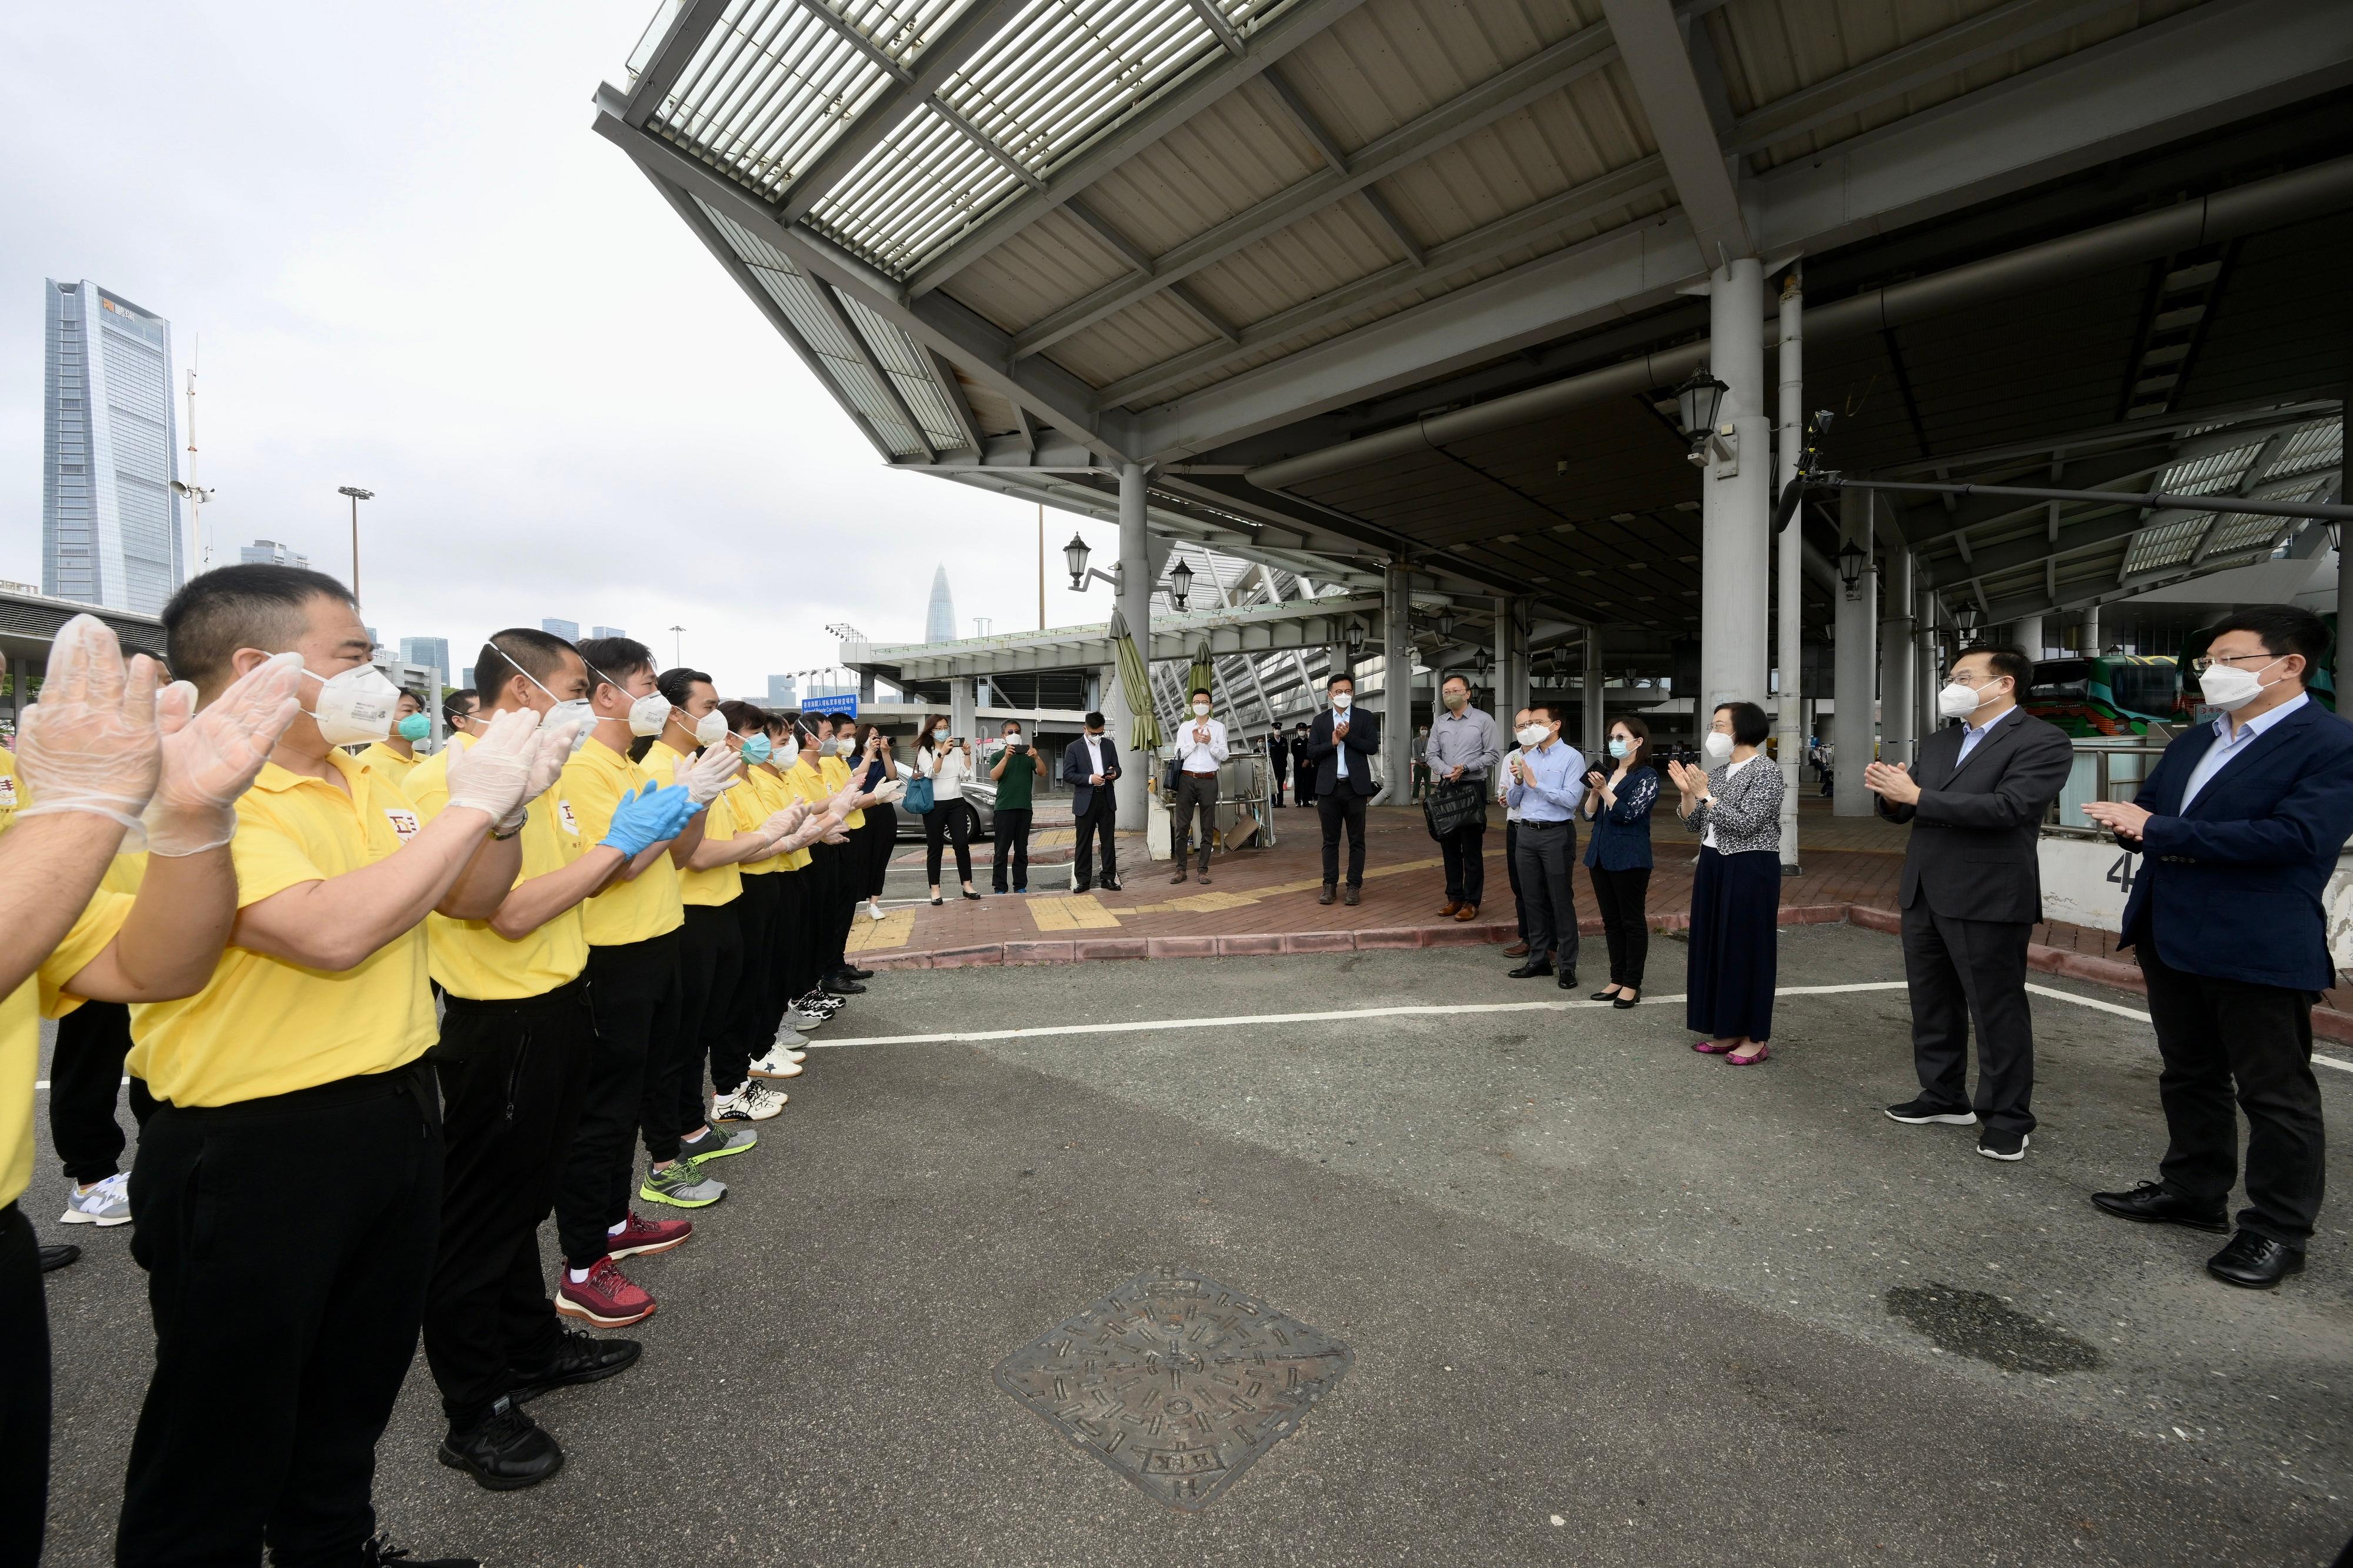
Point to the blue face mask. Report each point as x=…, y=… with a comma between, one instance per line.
x=1619, y=748
x=756, y=750
x=416, y=726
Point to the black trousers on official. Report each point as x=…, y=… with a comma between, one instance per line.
x=741, y=1036
x=793, y=972
x=1545, y=857
x=637, y=996
x=2226, y=1038
x=1624, y=898
x=281, y=1334
x=1512, y=870
x=943, y=824
x=511, y=1075
x=1011, y=827
x=1465, y=853
x=882, y=843
x=1098, y=822
x=1962, y=972
x=840, y=868
x=1197, y=796
x=85, y=1078
x=710, y=962
x=1343, y=808
x=24, y=1391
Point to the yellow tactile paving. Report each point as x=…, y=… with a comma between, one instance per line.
x=1080, y=911
x=896, y=929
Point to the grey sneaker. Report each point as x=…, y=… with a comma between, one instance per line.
x=103, y=1203
x=682, y=1187
x=717, y=1143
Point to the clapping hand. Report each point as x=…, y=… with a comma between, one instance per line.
x=211, y=758
x=1691, y=780
x=90, y=743
x=1891, y=782
x=2120, y=817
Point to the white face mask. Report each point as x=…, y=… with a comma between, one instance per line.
x=1200, y=710
x=1717, y=746
x=355, y=707
x=1958, y=701
x=648, y=713
x=1340, y=701
x=1531, y=736
x=847, y=745
x=2228, y=688
x=562, y=710
x=711, y=729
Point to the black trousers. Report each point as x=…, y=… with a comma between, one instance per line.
x=946, y=822
x=710, y=962
x=1279, y=782
x=637, y=1003
x=1624, y=898
x=1512, y=870
x=85, y=1076
x=24, y=1391
x=1546, y=858
x=2226, y=1038
x=1961, y=972
x=1099, y=822
x=840, y=870
x=882, y=843
x=740, y=1036
x=281, y=1334
x=1197, y=796
x=794, y=970
x=1343, y=807
x=1012, y=833
x=1465, y=852
x=512, y=1076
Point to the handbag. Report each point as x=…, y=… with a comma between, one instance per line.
x=1453, y=806
x=918, y=799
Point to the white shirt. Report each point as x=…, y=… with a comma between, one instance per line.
x=1200, y=756
x=947, y=770
x=1503, y=786
x=1094, y=744
x=1707, y=840
x=2225, y=748
x=1340, y=747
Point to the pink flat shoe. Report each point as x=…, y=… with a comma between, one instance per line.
x=1764, y=1052
x=1710, y=1047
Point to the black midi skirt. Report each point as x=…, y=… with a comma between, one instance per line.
x=1735, y=939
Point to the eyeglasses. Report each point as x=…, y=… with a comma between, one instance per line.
x=2201, y=664
x=1953, y=677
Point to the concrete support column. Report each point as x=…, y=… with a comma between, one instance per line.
x=964, y=709
x=1511, y=689
x=1596, y=723
x=1735, y=514
x=1854, y=668
x=1895, y=651
x=1134, y=601
x=1789, y=406
x=2027, y=633
x=1396, y=678
x=2091, y=631
x=1927, y=667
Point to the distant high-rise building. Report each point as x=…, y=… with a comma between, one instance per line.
x=606, y=632
x=568, y=630
x=781, y=693
x=270, y=552
x=431, y=652
x=373, y=640
x=466, y=676
x=110, y=521
x=939, y=620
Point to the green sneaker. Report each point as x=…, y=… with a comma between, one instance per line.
x=719, y=1140
x=682, y=1187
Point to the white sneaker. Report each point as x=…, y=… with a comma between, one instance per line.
x=101, y=1202
x=775, y=1064
x=754, y=1101
x=874, y=912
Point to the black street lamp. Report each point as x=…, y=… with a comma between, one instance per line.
x=1849, y=567
x=1180, y=584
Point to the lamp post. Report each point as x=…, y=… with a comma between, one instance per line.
x=357, y=495
x=1698, y=402
x=1074, y=556
x=1180, y=584
x=1850, y=567
x=676, y=642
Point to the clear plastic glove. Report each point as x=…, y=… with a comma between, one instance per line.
x=781, y=824
x=90, y=743
x=845, y=801
x=890, y=792
x=553, y=748
x=211, y=758
x=838, y=835
x=490, y=774
x=654, y=813
x=707, y=777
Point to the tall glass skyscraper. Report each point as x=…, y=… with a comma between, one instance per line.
x=939, y=616
x=110, y=521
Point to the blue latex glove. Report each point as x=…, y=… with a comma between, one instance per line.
x=647, y=818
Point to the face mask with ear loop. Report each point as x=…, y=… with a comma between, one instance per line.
x=354, y=706
x=646, y=714
x=564, y=708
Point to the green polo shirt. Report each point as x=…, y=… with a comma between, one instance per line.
x=1013, y=788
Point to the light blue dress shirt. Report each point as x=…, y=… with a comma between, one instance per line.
x=1556, y=784
x=2225, y=748
x=1972, y=733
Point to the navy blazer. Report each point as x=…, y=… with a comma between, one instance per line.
x=1075, y=770
x=1319, y=775
x=2232, y=887
x=1621, y=832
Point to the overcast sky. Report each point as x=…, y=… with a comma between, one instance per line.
x=415, y=268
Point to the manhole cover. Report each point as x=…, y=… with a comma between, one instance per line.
x=1176, y=1382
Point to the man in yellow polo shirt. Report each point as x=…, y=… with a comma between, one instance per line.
x=297, y=1061
x=103, y=750
x=8, y=801
x=517, y=1038
x=396, y=756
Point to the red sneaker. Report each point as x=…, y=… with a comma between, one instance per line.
x=639, y=1237
x=606, y=1298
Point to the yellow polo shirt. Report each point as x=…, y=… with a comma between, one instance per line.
x=837, y=779
x=8, y=801
x=708, y=890
x=590, y=790
x=753, y=796
x=20, y=1031
x=776, y=792
x=472, y=960
x=390, y=763
x=265, y=1026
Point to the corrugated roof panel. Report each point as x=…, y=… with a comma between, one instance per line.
x=1036, y=272
x=1237, y=152
x=2169, y=544
x=2320, y=444
x=1157, y=329
x=909, y=369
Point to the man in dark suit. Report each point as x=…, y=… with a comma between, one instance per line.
x=1278, y=761
x=1089, y=767
x=1303, y=777
x=2239, y=827
x=1971, y=892
x=1337, y=774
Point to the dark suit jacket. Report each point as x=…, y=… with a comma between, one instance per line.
x=1278, y=758
x=2230, y=887
x=1075, y=772
x=1974, y=830
x=1303, y=771
x=1364, y=743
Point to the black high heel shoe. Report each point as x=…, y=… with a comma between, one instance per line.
x=1603, y=996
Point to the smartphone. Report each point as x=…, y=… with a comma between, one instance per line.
x=955, y=740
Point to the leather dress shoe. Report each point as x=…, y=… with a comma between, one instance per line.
x=1330, y=893
x=2255, y=1262
x=857, y=973
x=505, y=1451
x=1568, y=980
x=1534, y=970
x=1110, y=886
x=1517, y=949
x=842, y=986
x=1354, y=895
x=1467, y=912
x=57, y=1255
x=2153, y=1203
x=579, y=1358
x=1181, y=875
x=1448, y=908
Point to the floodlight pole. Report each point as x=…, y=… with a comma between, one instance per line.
x=1791, y=412
x=357, y=495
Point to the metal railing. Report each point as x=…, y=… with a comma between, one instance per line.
x=2102, y=770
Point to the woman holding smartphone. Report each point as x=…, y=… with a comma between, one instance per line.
x=875, y=767
x=947, y=763
x=1618, y=803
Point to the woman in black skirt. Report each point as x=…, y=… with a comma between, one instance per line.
x=1736, y=807
x=875, y=767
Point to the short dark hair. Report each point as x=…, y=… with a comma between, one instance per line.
x=1200, y=691
x=1749, y=725
x=677, y=684
x=1009, y=724
x=1556, y=712
x=414, y=696
x=453, y=707
x=1455, y=675
x=1339, y=677
x=2283, y=628
x=2005, y=658
x=612, y=660
x=230, y=607
x=537, y=653
x=742, y=716
x=1094, y=721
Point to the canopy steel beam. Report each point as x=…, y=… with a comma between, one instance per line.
x=1651, y=45
x=671, y=56
x=2186, y=504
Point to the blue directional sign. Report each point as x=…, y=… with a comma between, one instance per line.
x=844, y=707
